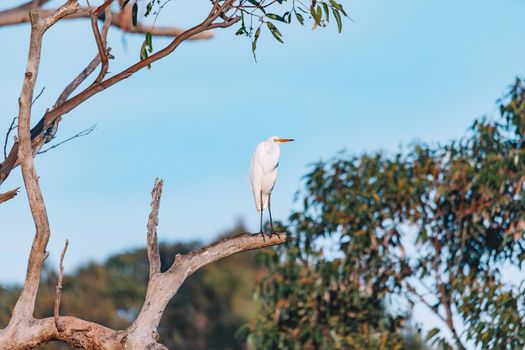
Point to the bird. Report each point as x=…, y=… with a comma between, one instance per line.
x=263, y=174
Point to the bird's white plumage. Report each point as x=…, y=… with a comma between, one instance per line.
x=263, y=171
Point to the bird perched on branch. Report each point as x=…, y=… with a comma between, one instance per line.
x=263, y=174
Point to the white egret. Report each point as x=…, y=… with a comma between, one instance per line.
x=263, y=174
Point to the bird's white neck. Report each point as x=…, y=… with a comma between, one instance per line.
x=272, y=147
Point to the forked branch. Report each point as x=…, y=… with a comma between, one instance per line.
x=162, y=287
x=48, y=124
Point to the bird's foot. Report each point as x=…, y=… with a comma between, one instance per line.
x=269, y=235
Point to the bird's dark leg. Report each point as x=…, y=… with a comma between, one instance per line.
x=270, y=212
x=261, y=208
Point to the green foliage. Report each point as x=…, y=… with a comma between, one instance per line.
x=147, y=46
x=471, y=225
x=345, y=280
x=256, y=14
x=329, y=283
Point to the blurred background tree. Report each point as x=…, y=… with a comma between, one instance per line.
x=437, y=225
x=440, y=225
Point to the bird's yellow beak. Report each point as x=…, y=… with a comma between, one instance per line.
x=283, y=140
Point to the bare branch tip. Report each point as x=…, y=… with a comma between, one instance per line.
x=153, y=221
x=4, y=197
x=58, y=290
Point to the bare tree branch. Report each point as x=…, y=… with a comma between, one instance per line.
x=30, y=5
x=58, y=291
x=22, y=16
x=90, y=68
x=100, y=39
x=38, y=96
x=82, y=133
x=413, y=290
x=40, y=140
x=4, y=197
x=153, y=221
x=24, y=307
x=163, y=286
x=25, y=304
x=11, y=128
x=142, y=334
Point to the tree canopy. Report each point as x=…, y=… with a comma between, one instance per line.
x=440, y=225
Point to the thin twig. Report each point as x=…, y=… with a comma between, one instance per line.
x=163, y=286
x=99, y=38
x=11, y=128
x=79, y=134
x=58, y=290
x=38, y=95
x=413, y=290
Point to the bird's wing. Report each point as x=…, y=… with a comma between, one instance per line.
x=256, y=177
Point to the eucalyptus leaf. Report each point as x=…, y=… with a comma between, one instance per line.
x=134, y=13
x=337, y=17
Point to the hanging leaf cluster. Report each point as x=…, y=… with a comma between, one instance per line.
x=256, y=14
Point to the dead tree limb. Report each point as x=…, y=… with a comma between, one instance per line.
x=153, y=221
x=4, y=197
x=23, y=310
x=162, y=287
x=52, y=117
x=58, y=291
x=21, y=15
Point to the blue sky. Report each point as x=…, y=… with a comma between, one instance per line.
x=403, y=71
